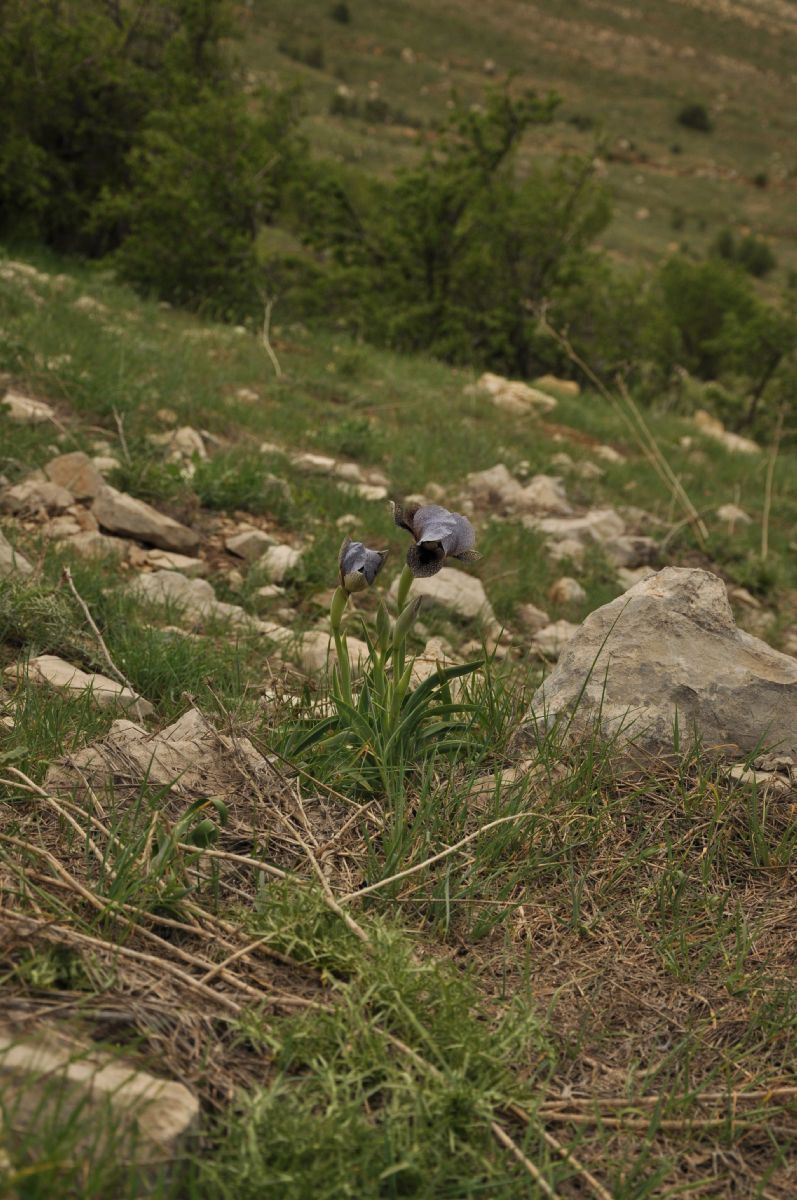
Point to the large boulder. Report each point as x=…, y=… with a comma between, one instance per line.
x=669, y=650
x=119, y=513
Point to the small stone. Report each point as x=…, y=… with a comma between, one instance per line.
x=314, y=464
x=367, y=491
x=565, y=387
x=34, y=497
x=169, y=560
x=609, y=454
x=105, y=463
x=181, y=444
x=348, y=471
x=235, y=579
x=11, y=561
x=249, y=544
x=272, y=591
x=631, y=551
x=514, y=396
x=279, y=562
x=92, y=544
x=587, y=470
x=630, y=576
x=317, y=648
x=63, y=676
x=63, y=527
x=713, y=428
x=568, y=550
x=347, y=521
x=25, y=410
x=77, y=473
x=532, y=619
x=598, y=525
x=567, y=591
x=119, y=513
x=551, y=640
x=732, y=515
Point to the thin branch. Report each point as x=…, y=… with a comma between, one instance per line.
x=773, y=458
x=266, y=336
x=66, y=575
x=120, y=429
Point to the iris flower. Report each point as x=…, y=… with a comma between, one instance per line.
x=439, y=534
x=358, y=565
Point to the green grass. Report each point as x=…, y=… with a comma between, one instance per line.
x=614, y=958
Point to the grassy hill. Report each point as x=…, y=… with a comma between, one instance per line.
x=594, y=996
x=624, y=73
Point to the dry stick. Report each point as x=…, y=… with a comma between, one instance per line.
x=641, y=434
x=66, y=574
x=435, y=857
x=120, y=428
x=566, y=1154
x=773, y=456
x=330, y=900
x=774, y=1093
x=674, y=1123
x=266, y=338
x=501, y=1135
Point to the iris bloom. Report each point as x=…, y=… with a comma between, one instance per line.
x=439, y=534
x=358, y=565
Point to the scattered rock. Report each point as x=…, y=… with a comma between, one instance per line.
x=630, y=576
x=91, y=544
x=514, y=396
x=33, y=497
x=11, y=561
x=436, y=653
x=497, y=490
x=551, y=640
x=532, y=619
x=77, y=473
x=63, y=676
x=567, y=591
x=272, y=591
x=609, y=454
x=769, y=780
x=316, y=647
x=585, y=469
x=87, y=304
x=105, y=463
x=314, y=464
x=119, y=513
x=732, y=515
x=51, y=1080
x=279, y=562
x=169, y=560
x=631, y=551
x=713, y=428
x=452, y=589
x=367, y=491
x=63, y=527
x=249, y=544
x=26, y=410
x=181, y=444
x=568, y=550
x=565, y=387
x=670, y=648
x=347, y=521
x=197, y=600
x=598, y=525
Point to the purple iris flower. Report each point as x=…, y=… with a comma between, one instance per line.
x=359, y=566
x=439, y=534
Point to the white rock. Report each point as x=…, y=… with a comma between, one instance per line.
x=63, y=527
x=566, y=591
x=569, y=549
x=669, y=650
x=551, y=640
x=609, y=454
x=77, y=473
x=316, y=649
x=181, y=444
x=631, y=551
x=515, y=396
x=630, y=576
x=314, y=464
x=279, y=562
x=532, y=619
x=169, y=560
x=732, y=515
x=367, y=491
x=598, y=525
x=587, y=470
x=53, y=1081
x=11, y=561
x=452, y=589
x=565, y=387
x=713, y=428
x=123, y=514
x=26, y=410
x=545, y=494
x=272, y=591
x=249, y=544
x=33, y=496
x=63, y=676
x=105, y=463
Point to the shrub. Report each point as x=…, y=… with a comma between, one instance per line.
x=341, y=13
x=752, y=253
x=695, y=116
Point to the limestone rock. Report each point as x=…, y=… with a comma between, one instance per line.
x=566, y=591
x=33, y=496
x=631, y=551
x=91, y=544
x=316, y=650
x=119, y=513
x=105, y=463
x=609, y=454
x=569, y=549
x=670, y=646
x=551, y=640
x=63, y=527
x=514, y=396
x=545, y=494
x=77, y=473
x=11, y=561
x=180, y=444
x=496, y=490
x=189, y=756
x=169, y=560
x=279, y=562
x=532, y=619
x=314, y=464
x=52, y=1080
x=598, y=525
x=249, y=544
x=732, y=515
x=63, y=676
x=452, y=589
x=565, y=387
x=630, y=576
x=713, y=428
x=197, y=600
x=25, y=410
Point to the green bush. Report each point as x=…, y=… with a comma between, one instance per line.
x=752, y=253
x=341, y=13
x=695, y=116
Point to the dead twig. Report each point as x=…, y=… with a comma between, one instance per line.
x=770, y=479
x=266, y=335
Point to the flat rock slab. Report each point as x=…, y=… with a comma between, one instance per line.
x=51, y=1080
x=668, y=649
x=77, y=473
x=189, y=756
x=197, y=600
x=25, y=410
x=11, y=561
x=57, y=673
x=119, y=513
x=37, y=496
x=460, y=593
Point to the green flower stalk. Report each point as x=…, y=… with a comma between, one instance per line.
x=358, y=567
